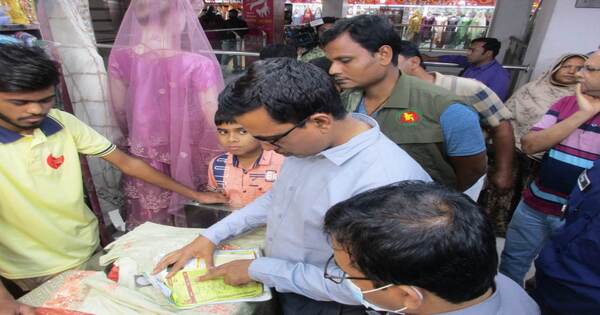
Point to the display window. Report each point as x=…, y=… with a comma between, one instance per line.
x=433, y=24
x=303, y=11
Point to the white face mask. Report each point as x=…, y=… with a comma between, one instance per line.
x=358, y=294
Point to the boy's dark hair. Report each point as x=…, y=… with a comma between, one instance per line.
x=408, y=50
x=24, y=69
x=322, y=62
x=490, y=44
x=222, y=117
x=278, y=50
x=369, y=31
x=421, y=234
x=290, y=91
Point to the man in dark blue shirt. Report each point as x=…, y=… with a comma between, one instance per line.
x=480, y=64
x=567, y=269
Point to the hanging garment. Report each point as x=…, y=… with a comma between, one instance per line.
x=425, y=30
x=477, y=27
x=450, y=30
x=414, y=25
x=164, y=83
x=461, y=38
x=85, y=77
x=438, y=30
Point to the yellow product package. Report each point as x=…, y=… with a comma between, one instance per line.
x=184, y=291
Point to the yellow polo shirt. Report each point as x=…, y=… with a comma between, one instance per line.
x=45, y=226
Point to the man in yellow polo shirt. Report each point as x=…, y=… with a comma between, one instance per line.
x=45, y=226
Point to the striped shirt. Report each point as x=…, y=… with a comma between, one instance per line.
x=563, y=163
x=243, y=186
x=490, y=107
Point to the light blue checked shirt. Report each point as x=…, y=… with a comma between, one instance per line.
x=296, y=246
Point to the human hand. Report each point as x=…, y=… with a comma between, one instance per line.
x=587, y=103
x=9, y=306
x=201, y=248
x=233, y=273
x=211, y=197
x=502, y=180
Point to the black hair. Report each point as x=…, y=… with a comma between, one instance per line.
x=489, y=43
x=420, y=234
x=369, y=31
x=223, y=117
x=278, y=50
x=408, y=49
x=322, y=62
x=327, y=20
x=290, y=91
x=234, y=12
x=24, y=69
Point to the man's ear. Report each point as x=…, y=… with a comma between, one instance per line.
x=385, y=54
x=489, y=53
x=415, y=62
x=412, y=298
x=322, y=121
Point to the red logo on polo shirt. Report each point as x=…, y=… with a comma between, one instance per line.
x=409, y=117
x=55, y=162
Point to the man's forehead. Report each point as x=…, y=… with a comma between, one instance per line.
x=259, y=123
x=28, y=95
x=594, y=59
x=343, y=42
x=477, y=44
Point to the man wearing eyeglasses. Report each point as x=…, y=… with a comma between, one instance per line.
x=419, y=248
x=570, y=132
x=295, y=109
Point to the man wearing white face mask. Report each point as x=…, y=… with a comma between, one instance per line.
x=419, y=248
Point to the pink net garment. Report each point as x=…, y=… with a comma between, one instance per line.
x=164, y=81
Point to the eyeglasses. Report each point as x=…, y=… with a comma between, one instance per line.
x=587, y=69
x=272, y=140
x=338, y=279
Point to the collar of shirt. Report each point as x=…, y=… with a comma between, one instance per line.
x=398, y=99
x=490, y=305
x=484, y=66
x=342, y=153
x=401, y=94
x=263, y=159
x=438, y=77
x=48, y=126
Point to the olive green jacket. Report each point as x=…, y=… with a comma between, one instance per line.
x=411, y=118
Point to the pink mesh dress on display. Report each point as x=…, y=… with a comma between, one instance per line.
x=164, y=81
